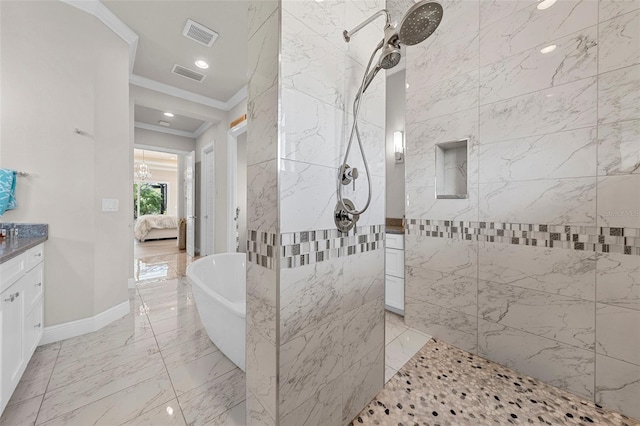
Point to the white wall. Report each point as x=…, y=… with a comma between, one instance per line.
x=163, y=140
x=396, y=101
x=71, y=73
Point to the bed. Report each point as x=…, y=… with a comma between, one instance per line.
x=156, y=227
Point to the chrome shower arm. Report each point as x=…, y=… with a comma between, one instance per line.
x=348, y=34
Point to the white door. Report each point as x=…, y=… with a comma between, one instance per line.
x=208, y=201
x=189, y=194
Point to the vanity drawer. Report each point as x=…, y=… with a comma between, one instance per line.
x=34, y=282
x=395, y=241
x=394, y=262
x=11, y=271
x=35, y=256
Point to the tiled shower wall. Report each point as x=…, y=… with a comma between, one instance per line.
x=530, y=270
x=315, y=319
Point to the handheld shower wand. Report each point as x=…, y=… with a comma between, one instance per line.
x=420, y=21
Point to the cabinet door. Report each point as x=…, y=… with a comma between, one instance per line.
x=33, y=330
x=13, y=345
x=33, y=287
x=394, y=262
x=394, y=292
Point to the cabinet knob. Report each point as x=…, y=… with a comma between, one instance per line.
x=38, y=255
x=37, y=325
x=39, y=284
x=12, y=297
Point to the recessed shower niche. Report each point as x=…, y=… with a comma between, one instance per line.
x=451, y=169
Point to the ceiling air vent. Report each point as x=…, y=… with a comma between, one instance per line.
x=187, y=73
x=199, y=33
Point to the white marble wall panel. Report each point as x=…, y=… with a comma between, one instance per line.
x=324, y=408
x=460, y=18
x=455, y=292
x=327, y=19
x=422, y=202
x=618, y=335
x=569, y=273
x=575, y=57
x=458, y=57
x=494, y=10
x=309, y=295
x=619, y=95
x=375, y=214
x=310, y=63
x=363, y=279
x=257, y=13
x=363, y=332
x=373, y=140
x=558, y=364
x=619, y=201
x=262, y=128
x=618, y=385
x=261, y=301
x=529, y=27
x=262, y=196
x=555, y=155
x=365, y=41
x=620, y=42
x=442, y=98
x=300, y=183
x=261, y=367
x=361, y=383
x=256, y=414
x=450, y=326
x=612, y=8
x=312, y=131
x=619, y=280
x=308, y=363
x=549, y=201
x=565, y=107
x=619, y=148
x=263, y=56
x=560, y=318
x=442, y=254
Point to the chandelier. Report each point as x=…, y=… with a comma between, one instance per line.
x=141, y=170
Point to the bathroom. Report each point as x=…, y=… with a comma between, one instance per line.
x=510, y=168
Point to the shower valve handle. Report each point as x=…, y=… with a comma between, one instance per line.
x=349, y=174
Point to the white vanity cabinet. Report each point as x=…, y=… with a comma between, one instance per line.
x=21, y=311
x=394, y=273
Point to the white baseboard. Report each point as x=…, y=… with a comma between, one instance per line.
x=67, y=330
x=132, y=283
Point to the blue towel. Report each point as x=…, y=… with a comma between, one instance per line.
x=7, y=190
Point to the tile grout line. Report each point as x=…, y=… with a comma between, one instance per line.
x=35, y=422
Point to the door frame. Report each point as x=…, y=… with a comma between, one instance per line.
x=209, y=148
x=232, y=182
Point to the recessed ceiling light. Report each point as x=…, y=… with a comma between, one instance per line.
x=168, y=114
x=546, y=4
x=548, y=49
x=164, y=123
x=201, y=64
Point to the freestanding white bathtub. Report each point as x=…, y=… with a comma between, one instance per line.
x=219, y=282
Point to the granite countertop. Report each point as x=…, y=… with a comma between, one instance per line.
x=394, y=226
x=29, y=235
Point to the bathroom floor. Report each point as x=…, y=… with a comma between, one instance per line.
x=444, y=385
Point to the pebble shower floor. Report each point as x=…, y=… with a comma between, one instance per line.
x=443, y=385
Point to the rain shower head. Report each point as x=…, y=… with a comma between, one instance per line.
x=389, y=56
x=420, y=21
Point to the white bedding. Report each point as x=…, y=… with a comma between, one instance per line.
x=147, y=222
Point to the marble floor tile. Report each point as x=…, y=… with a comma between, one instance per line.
x=35, y=379
x=404, y=347
x=186, y=321
x=394, y=326
x=168, y=414
x=235, y=416
x=178, y=337
x=188, y=376
x=82, y=392
x=120, y=407
x=445, y=385
x=205, y=403
x=23, y=413
x=389, y=372
x=180, y=355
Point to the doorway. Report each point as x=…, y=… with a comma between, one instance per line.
x=207, y=203
x=237, y=188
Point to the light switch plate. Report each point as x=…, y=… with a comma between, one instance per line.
x=110, y=205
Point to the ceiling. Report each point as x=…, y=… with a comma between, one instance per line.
x=159, y=25
x=152, y=117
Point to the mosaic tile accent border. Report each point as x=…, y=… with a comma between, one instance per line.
x=304, y=248
x=586, y=238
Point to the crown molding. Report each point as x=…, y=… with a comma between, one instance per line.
x=203, y=128
x=161, y=129
x=111, y=20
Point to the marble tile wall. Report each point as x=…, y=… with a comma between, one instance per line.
x=315, y=316
x=554, y=139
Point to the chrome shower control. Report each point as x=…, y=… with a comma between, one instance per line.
x=345, y=221
x=349, y=174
